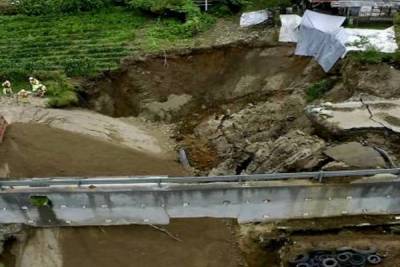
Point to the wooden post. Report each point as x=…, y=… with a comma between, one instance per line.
x=206, y=5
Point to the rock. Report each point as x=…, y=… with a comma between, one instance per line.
x=378, y=80
x=165, y=111
x=244, y=139
x=292, y=152
x=336, y=166
x=356, y=155
x=245, y=86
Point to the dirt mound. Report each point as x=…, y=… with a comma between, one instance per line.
x=37, y=150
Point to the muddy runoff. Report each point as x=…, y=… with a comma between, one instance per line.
x=199, y=242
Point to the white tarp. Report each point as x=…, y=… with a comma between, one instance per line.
x=321, y=36
x=290, y=28
x=253, y=18
x=362, y=39
x=322, y=22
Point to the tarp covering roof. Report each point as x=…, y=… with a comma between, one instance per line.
x=321, y=36
x=323, y=22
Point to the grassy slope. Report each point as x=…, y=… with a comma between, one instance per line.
x=78, y=45
x=50, y=43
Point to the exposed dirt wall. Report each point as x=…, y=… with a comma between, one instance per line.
x=210, y=75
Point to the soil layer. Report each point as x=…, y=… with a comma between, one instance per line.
x=203, y=242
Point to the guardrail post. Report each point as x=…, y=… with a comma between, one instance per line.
x=320, y=176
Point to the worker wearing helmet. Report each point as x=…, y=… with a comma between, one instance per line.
x=38, y=89
x=7, y=90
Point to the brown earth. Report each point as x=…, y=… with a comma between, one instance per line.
x=211, y=76
x=37, y=150
x=204, y=243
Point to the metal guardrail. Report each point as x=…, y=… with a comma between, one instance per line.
x=80, y=181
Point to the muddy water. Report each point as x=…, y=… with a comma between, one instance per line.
x=37, y=150
x=186, y=243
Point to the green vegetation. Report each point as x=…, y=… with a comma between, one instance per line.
x=46, y=7
x=40, y=201
x=83, y=44
x=318, y=89
x=260, y=4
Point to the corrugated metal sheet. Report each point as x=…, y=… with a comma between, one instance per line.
x=360, y=3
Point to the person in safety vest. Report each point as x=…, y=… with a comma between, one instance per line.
x=7, y=90
x=38, y=89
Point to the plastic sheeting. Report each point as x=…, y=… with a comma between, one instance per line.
x=321, y=37
x=290, y=28
x=253, y=18
x=362, y=39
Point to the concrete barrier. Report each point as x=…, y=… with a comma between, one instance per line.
x=157, y=203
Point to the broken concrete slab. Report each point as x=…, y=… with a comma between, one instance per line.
x=357, y=115
x=356, y=155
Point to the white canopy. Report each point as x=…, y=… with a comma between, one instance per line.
x=290, y=28
x=321, y=36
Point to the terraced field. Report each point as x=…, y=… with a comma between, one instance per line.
x=84, y=42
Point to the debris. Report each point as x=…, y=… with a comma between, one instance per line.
x=253, y=18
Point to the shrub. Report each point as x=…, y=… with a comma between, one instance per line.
x=60, y=91
x=162, y=6
x=261, y=4
x=369, y=56
x=46, y=7
x=71, y=6
x=318, y=89
x=35, y=7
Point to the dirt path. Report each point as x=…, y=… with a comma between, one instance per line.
x=37, y=150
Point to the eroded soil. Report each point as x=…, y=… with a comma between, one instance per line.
x=37, y=150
